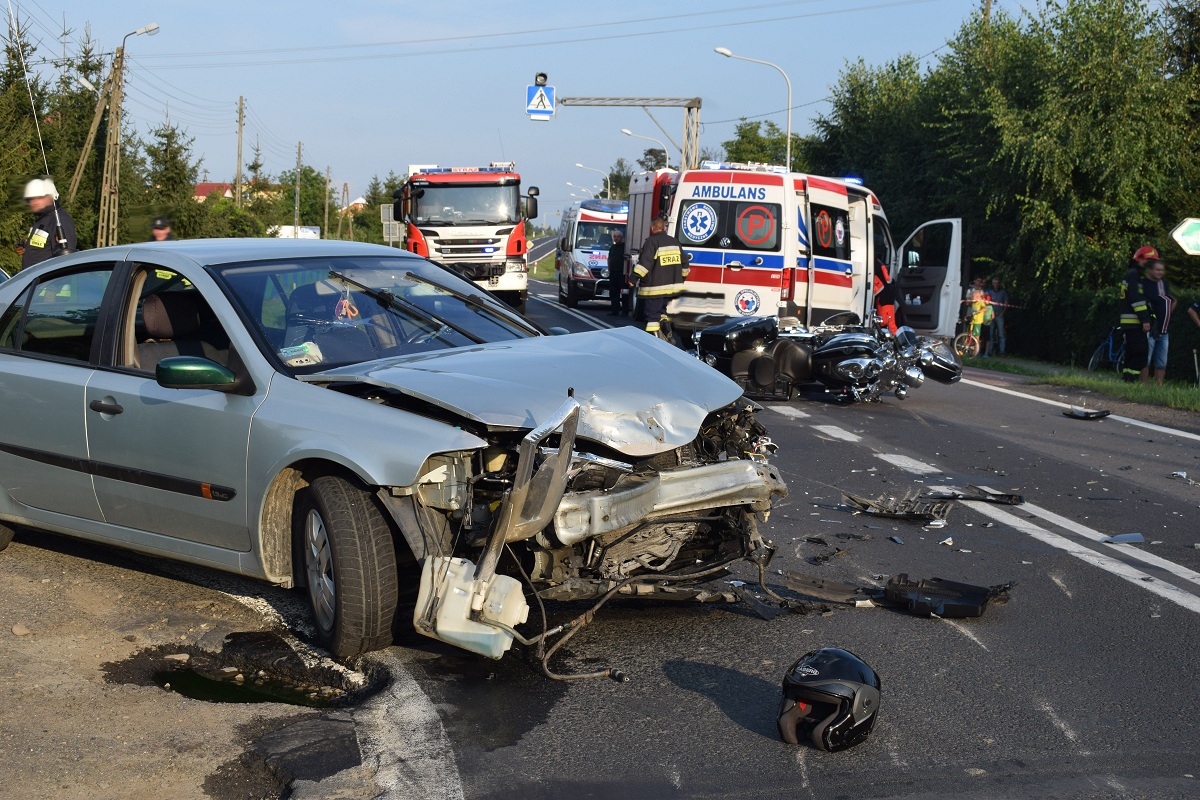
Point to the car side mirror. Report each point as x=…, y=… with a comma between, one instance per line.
x=531, y=209
x=193, y=372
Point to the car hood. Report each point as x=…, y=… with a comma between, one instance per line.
x=639, y=395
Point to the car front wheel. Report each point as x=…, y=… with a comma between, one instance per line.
x=350, y=566
x=6, y=536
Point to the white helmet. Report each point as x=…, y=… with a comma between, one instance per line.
x=40, y=187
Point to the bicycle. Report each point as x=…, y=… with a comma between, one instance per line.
x=966, y=344
x=1110, y=354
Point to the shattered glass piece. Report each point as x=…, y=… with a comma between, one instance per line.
x=948, y=541
x=1124, y=538
x=896, y=539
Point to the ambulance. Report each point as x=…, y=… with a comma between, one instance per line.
x=765, y=241
x=584, y=238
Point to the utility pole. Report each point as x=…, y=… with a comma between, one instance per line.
x=325, y=230
x=110, y=182
x=296, y=197
x=91, y=139
x=344, y=209
x=237, y=194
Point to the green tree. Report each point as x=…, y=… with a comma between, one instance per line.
x=653, y=158
x=619, y=175
x=763, y=142
x=313, y=197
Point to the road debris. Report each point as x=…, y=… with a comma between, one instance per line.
x=977, y=493
x=822, y=558
x=1181, y=475
x=896, y=539
x=1124, y=538
x=948, y=541
x=824, y=589
x=948, y=599
x=911, y=506
x=765, y=610
x=20, y=630
x=1078, y=412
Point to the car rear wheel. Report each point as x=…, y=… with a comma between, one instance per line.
x=6, y=536
x=350, y=566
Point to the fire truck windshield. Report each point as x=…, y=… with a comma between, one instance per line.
x=467, y=205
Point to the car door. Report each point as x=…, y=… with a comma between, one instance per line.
x=928, y=274
x=47, y=338
x=172, y=461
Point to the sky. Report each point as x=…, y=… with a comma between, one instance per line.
x=371, y=87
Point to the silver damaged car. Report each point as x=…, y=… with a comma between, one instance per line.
x=358, y=421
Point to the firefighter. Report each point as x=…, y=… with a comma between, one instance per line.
x=52, y=232
x=885, y=295
x=1135, y=314
x=661, y=271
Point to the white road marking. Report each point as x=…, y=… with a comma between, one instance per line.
x=965, y=632
x=1116, y=418
x=834, y=432
x=1127, y=550
x=1062, y=726
x=401, y=737
x=579, y=315
x=908, y=464
x=1107, y=563
x=1059, y=583
x=788, y=411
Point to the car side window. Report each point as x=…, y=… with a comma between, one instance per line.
x=168, y=317
x=57, y=316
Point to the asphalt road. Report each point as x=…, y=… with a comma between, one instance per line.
x=1081, y=686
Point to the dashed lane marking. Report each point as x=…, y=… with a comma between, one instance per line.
x=788, y=411
x=908, y=464
x=834, y=432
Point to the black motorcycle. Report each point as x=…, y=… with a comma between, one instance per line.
x=773, y=358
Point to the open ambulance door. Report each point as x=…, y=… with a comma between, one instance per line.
x=928, y=272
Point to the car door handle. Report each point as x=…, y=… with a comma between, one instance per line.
x=105, y=408
x=735, y=265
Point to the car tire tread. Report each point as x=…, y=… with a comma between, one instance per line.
x=364, y=566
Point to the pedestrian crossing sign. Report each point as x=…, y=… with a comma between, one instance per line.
x=539, y=102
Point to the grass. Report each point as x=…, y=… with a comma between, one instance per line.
x=543, y=270
x=1172, y=394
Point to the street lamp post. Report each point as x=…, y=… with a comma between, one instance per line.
x=726, y=52
x=666, y=154
x=106, y=228
x=584, y=188
x=607, y=183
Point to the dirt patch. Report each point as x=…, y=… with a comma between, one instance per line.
x=70, y=729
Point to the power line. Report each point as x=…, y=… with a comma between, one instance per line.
x=552, y=43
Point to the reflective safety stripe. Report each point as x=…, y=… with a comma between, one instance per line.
x=652, y=327
x=661, y=291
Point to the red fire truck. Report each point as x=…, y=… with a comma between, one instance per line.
x=471, y=220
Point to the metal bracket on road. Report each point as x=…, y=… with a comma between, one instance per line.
x=911, y=507
x=976, y=493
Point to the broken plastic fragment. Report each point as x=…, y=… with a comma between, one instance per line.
x=948, y=541
x=1124, y=538
x=896, y=539
x=936, y=523
x=1077, y=412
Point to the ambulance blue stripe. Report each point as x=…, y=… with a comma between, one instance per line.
x=717, y=258
x=801, y=228
x=831, y=265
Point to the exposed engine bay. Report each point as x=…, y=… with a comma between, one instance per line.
x=580, y=520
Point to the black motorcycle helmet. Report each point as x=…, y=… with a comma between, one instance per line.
x=832, y=696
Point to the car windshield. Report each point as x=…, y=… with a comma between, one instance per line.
x=461, y=204
x=311, y=315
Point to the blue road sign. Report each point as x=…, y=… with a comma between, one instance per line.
x=539, y=102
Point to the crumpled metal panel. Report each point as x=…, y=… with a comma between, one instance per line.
x=640, y=396
x=636, y=500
